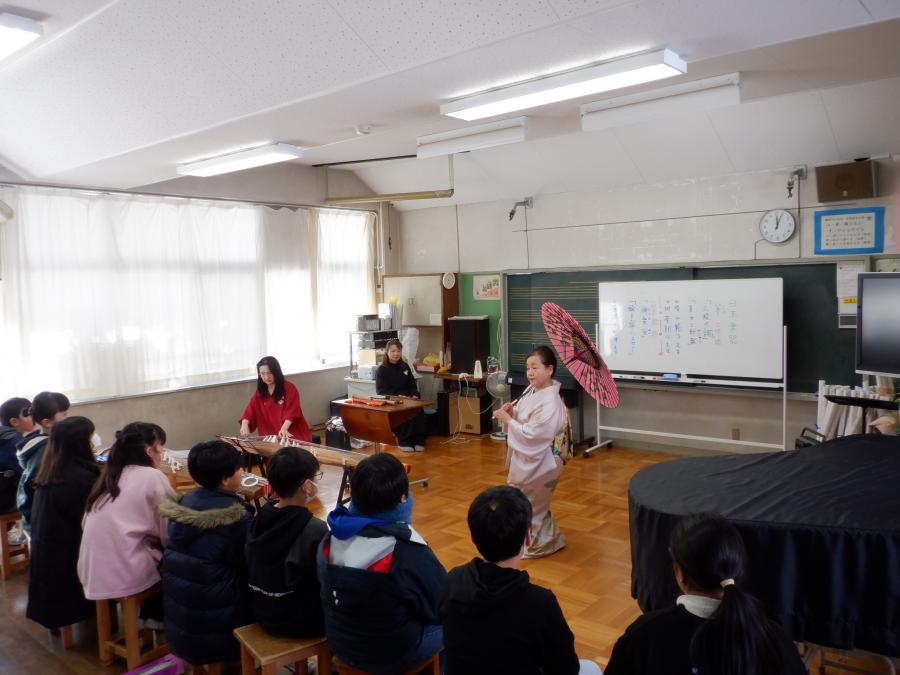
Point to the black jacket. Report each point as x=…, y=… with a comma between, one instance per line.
x=658, y=643
x=10, y=469
x=281, y=561
x=373, y=618
x=496, y=621
x=395, y=379
x=204, y=574
x=55, y=595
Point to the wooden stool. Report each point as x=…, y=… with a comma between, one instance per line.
x=430, y=666
x=12, y=558
x=272, y=651
x=129, y=642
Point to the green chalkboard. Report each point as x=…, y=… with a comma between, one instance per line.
x=817, y=348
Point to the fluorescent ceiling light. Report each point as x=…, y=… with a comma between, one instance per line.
x=243, y=159
x=16, y=32
x=473, y=138
x=712, y=92
x=615, y=74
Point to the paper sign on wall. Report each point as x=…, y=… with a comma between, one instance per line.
x=847, y=274
x=849, y=231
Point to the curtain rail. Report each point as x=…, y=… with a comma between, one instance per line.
x=113, y=191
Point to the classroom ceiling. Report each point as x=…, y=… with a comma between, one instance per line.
x=117, y=93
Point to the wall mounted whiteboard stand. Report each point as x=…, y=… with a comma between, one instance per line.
x=706, y=382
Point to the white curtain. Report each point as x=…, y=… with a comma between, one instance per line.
x=345, y=284
x=106, y=295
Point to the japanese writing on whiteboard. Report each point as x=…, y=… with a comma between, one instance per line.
x=673, y=325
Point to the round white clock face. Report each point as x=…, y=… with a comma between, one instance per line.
x=777, y=226
x=449, y=280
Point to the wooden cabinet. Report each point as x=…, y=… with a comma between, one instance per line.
x=426, y=305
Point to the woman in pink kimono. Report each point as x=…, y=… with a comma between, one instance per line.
x=532, y=424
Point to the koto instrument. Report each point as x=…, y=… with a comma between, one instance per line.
x=269, y=445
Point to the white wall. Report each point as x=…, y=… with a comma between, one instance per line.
x=685, y=221
x=200, y=413
x=678, y=222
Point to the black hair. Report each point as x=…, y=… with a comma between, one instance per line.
x=129, y=449
x=47, y=404
x=378, y=483
x=70, y=442
x=14, y=407
x=499, y=519
x=546, y=356
x=275, y=368
x=289, y=468
x=62, y=401
x=738, y=639
x=211, y=461
x=390, y=343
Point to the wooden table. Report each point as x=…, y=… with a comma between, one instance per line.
x=377, y=423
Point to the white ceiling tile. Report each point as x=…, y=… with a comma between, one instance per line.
x=680, y=146
x=407, y=33
x=882, y=10
x=570, y=9
x=280, y=50
x=776, y=132
x=699, y=30
x=136, y=86
x=864, y=118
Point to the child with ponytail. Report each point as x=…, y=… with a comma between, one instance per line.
x=715, y=628
x=124, y=534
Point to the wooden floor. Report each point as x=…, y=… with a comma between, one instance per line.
x=590, y=577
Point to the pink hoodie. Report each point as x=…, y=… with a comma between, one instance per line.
x=123, y=539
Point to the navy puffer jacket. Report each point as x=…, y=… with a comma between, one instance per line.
x=204, y=574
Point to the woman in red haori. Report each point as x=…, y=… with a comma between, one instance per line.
x=274, y=408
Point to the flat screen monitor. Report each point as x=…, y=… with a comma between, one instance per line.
x=878, y=324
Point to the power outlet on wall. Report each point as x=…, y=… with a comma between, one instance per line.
x=735, y=434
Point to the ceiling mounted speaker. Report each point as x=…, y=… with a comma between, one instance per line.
x=849, y=181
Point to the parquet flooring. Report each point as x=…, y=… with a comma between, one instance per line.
x=590, y=577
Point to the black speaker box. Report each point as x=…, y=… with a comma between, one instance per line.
x=841, y=182
x=469, y=342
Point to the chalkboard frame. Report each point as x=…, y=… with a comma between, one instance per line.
x=815, y=342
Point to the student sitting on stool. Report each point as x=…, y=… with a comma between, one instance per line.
x=715, y=628
x=281, y=550
x=380, y=580
x=203, y=569
x=495, y=620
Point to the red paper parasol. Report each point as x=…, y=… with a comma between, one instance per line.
x=579, y=354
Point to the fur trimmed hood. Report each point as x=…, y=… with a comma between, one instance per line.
x=172, y=508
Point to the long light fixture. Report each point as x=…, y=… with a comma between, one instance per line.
x=706, y=94
x=243, y=159
x=16, y=32
x=481, y=136
x=623, y=72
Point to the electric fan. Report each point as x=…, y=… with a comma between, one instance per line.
x=498, y=388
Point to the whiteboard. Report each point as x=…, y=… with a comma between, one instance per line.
x=717, y=328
